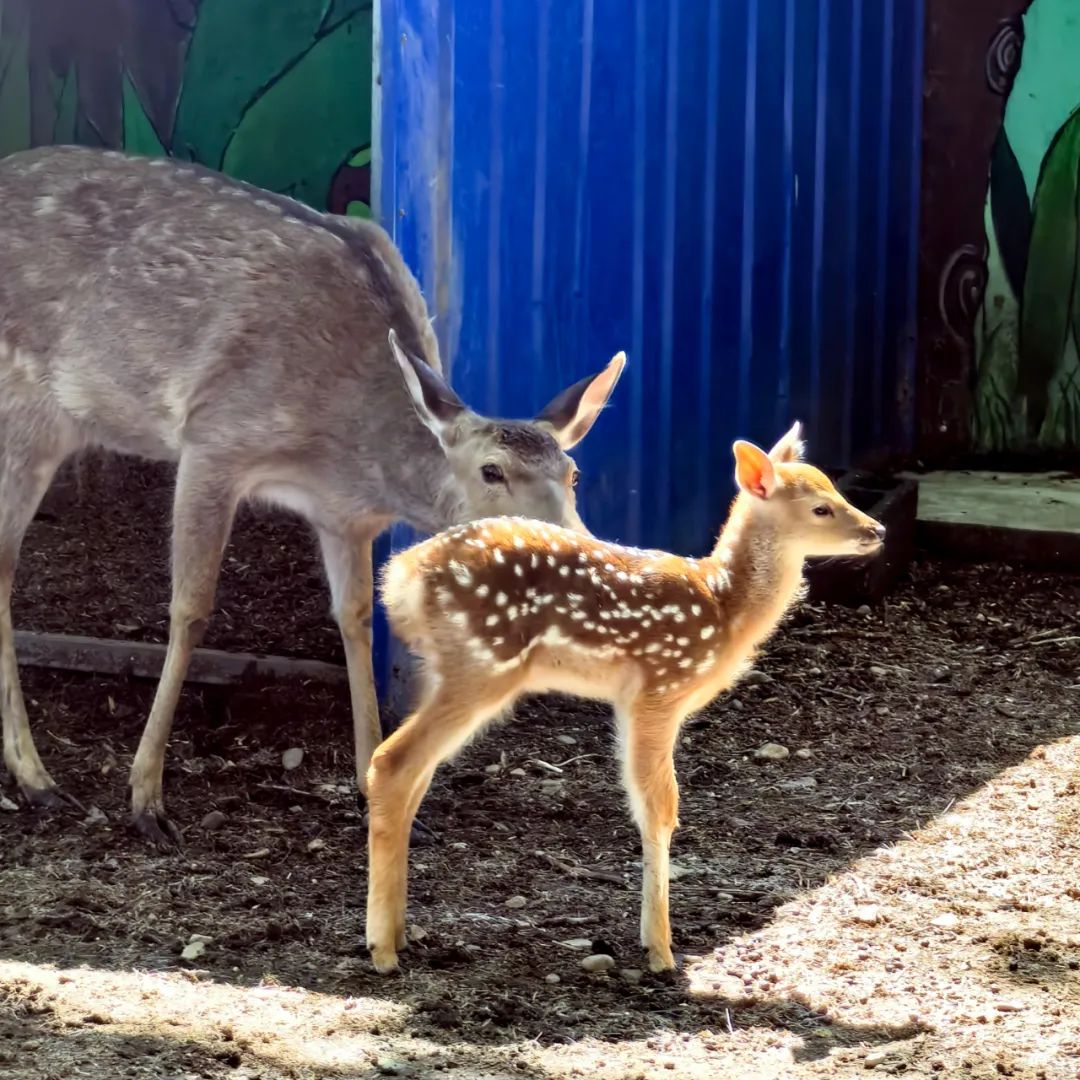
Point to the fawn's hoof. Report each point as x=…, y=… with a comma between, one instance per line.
x=661, y=960
x=153, y=825
x=385, y=959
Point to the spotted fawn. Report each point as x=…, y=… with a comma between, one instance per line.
x=504, y=607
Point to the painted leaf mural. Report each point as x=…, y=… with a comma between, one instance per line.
x=294, y=137
x=66, y=96
x=14, y=85
x=139, y=134
x=1049, y=287
x=1011, y=208
x=238, y=48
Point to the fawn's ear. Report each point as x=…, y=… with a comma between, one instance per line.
x=791, y=447
x=570, y=416
x=435, y=403
x=754, y=472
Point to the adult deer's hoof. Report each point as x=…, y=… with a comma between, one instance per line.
x=154, y=826
x=50, y=798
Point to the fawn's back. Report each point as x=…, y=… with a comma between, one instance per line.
x=141, y=306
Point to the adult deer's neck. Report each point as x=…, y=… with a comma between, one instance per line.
x=764, y=576
x=417, y=485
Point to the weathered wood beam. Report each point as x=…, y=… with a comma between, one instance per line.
x=144, y=660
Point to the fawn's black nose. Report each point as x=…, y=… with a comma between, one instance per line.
x=879, y=531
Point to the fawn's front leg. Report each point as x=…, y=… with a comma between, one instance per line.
x=648, y=740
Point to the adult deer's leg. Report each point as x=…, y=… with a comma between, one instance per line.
x=647, y=736
x=203, y=510
x=401, y=770
x=349, y=570
x=25, y=475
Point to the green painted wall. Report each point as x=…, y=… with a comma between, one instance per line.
x=1027, y=329
x=274, y=92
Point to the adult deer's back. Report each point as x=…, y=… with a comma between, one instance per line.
x=163, y=310
x=141, y=308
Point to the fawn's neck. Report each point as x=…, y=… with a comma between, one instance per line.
x=765, y=574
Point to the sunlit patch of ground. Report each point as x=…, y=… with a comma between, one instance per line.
x=953, y=952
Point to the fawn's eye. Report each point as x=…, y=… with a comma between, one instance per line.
x=492, y=474
x=823, y=510
x=575, y=476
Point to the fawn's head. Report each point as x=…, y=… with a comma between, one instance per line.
x=800, y=502
x=510, y=467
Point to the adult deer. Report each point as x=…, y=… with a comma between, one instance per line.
x=274, y=353
x=497, y=609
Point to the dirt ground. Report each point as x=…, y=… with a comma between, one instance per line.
x=901, y=894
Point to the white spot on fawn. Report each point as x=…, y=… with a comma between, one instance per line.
x=499, y=556
x=707, y=632
x=482, y=591
x=461, y=572
x=500, y=599
x=491, y=620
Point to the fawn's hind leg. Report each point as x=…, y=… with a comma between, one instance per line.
x=26, y=470
x=647, y=736
x=401, y=770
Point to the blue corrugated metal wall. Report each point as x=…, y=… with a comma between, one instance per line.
x=728, y=191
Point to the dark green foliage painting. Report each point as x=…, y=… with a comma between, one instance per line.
x=278, y=94
x=1027, y=327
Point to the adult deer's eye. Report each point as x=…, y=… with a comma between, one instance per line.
x=492, y=474
x=575, y=476
x=823, y=511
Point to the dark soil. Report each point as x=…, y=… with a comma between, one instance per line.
x=939, y=729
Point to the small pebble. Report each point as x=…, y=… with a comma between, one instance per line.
x=95, y=817
x=946, y=921
x=291, y=759
x=756, y=678
x=800, y=783
x=878, y=672
x=214, y=820
x=771, y=752
x=260, y=854
x=552, y=978
x=598, y=962
x=193, y=949
x=515, y=903
x=459, y=845
x=518, y=772
x=567, y=740
x=631, y=975
x=259, y=880
x=416, y=933
x=388, y=1066
x=867, y=914
x=316, y=845
x=493, y=769
x=874, y=1058
x=863, y=609
x=804, y=753
x=7, y=804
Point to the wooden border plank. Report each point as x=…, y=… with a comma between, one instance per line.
x=144, y=660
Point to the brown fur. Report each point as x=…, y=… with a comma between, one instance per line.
x=503, y=607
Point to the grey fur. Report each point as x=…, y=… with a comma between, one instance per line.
x=163, y=310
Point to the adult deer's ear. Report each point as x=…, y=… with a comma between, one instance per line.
x=791, y=447
x=754, y=472
x=570, y=416
x=435, y=403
